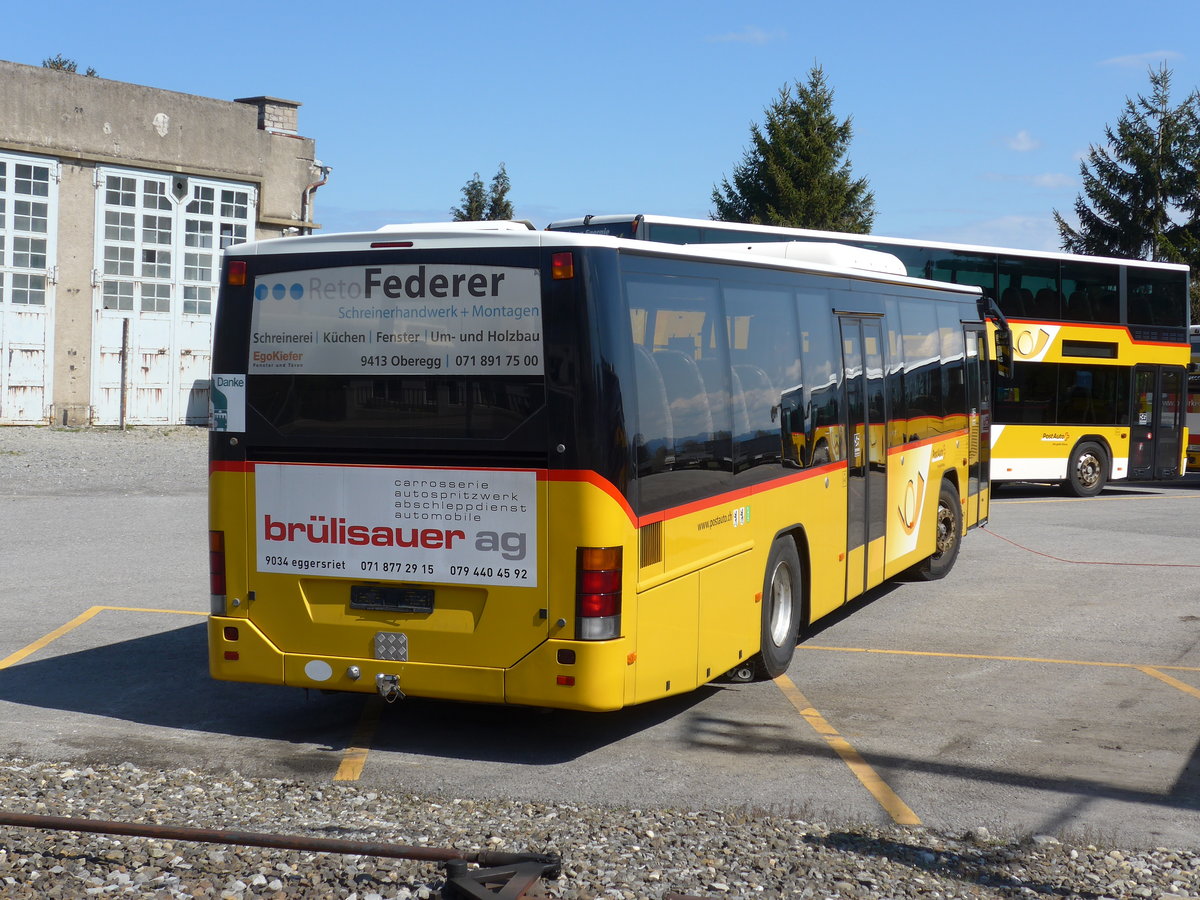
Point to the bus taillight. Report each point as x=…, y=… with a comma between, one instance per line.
x=236, y=273
x=562, y=266
x=216, y=571
x=598, y=593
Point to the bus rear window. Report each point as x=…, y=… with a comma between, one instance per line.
x=399, y=406
x=408, y=350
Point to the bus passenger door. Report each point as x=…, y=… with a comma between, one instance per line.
x=866, y=452
x=1156, y=422
x=979, y=425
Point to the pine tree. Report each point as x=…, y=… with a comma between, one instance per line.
x=1141, y=197
x=474, y=202
x=498, y=204
x=480, y=205
x=795, y=173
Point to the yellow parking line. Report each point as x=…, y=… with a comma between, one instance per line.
x=14, y=658
x=355, y=756
x=887, y=798
x=1167, y=679
x=1029, y=659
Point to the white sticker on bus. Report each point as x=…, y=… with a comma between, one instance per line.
x=227, y=403
x=452, y=320
x=461, y=526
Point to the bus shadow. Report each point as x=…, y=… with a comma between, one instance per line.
x=858, y=603
x=162, y=680
x=1029, y=490
x=752, y=738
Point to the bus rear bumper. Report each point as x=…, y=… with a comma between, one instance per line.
x=239, y=651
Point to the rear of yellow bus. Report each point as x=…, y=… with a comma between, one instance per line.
x=417, y=467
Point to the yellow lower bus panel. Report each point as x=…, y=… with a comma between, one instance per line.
x=692, y=592
x=1043, y=452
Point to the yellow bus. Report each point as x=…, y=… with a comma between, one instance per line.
x=1100, y=347
x=495, y=464
x=1193, y=401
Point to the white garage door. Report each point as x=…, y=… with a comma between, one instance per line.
x=158, y=256
x=28, y=225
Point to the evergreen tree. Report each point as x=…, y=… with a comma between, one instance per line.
x=60, y=62
x=1141, y=197
x=474, y=201
x=794, y=173
x=498, y=204
x=480, y=205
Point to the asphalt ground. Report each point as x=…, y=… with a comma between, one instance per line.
x=1050, y=684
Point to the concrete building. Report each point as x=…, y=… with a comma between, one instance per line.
x=115, y=202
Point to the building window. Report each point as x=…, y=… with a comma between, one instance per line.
x=197, y=266
x=157, y=247
x=29, y=253
x=156, y=298
x=120, y=191
x=29, y=289
x=118, y=226
x=118, y=294
x=199, y=234
x=30, y=216
x=25, y=244
x=32, y=180
x=118, y=260
x=197, y=301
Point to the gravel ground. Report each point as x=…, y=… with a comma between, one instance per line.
x=606, y=852
x=622, y=853
x=102, y=461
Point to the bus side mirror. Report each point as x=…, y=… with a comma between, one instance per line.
x=1002, y=339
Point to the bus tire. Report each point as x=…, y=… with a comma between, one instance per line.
x=782, y=608
x=1086, y=470
x=948, y=524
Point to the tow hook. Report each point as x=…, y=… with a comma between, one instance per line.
x=389, y=687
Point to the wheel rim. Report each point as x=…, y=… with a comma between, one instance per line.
x=1087, y=471
x=781, y=604
x=946, y=532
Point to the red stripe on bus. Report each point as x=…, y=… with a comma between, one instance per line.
x=248, y=466
x=594, y=479
x=676, y=512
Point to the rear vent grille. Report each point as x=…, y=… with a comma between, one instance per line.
x=651, y=549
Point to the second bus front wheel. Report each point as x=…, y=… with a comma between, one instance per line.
x=947, y=536
x=782, y=609
x=1086, y=470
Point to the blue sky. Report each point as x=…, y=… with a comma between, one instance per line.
x=969, y=119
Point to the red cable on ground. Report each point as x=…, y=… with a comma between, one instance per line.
x=1081, y=562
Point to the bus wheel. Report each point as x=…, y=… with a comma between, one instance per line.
x=1085, y=472
x=949, y=536
x=782, y=603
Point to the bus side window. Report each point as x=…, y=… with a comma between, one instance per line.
x=759, y=440
x=655, y=438
x=764, y=350
x=691, y=419
x=821, y=356
x=921, y=343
